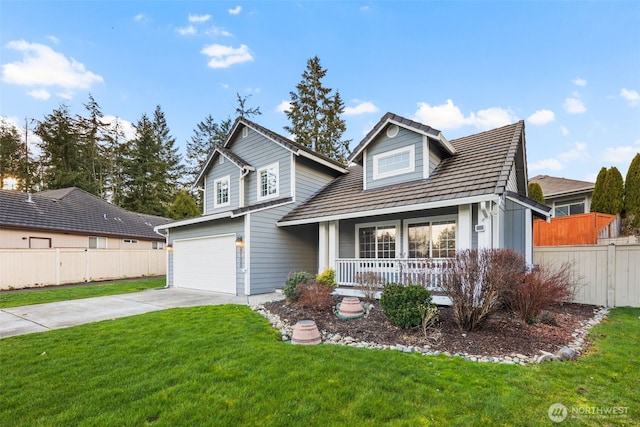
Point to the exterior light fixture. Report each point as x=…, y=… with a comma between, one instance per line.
x=239, y=242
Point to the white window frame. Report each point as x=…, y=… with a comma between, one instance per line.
x=276, y=168
x=98, y=240
x=430, y=220
x=568, y=205
x=216, y=203
x=411, y=149
x=157, y=245
x=395, y=224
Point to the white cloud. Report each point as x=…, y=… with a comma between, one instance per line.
x=139, y=17
x=226, y=56
x=284, y=106
x=236, y=10
x=574, y=106
x=564, y=131
x=630, y=95
x=363, y=107
x=548, y=164
x=187, y=31
x=124, y=126
x=579, y=152
x=542, y=117
x=621, y=154
x=217, y=31
x=42, y=66
x=199, y=18
x=54, y=39
x=449, y=116
x=579, y=82
x=39, y=94
x=224, y=85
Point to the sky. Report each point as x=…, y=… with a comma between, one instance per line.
x=569, y=69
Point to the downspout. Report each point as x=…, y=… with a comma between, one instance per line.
x=245, y=172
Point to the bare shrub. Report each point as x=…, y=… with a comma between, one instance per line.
x=315, y=296
x=540, y=289
x=477, y=282
x=369, y=283
x=430, y=314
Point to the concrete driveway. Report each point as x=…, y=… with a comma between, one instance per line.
x=63, y=314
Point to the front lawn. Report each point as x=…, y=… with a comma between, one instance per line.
x=225, y=365
x=53, y=294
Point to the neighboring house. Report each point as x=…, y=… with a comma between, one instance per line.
x=409, y=200
x=565, y=196
x=73, y=218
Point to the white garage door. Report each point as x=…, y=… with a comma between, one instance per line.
x=208, y=264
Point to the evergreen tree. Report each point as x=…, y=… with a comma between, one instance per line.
x=183, y=206
x=242, y=110
x=315, y=114
x=13, y=156
x=599, y=195
x=632, y=193
x=115, y=153
x=535, y=192
x=206, y=136
x=63, y=158
x=91, y=132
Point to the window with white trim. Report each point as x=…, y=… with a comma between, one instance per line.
x=572, y=207
x=221, y=186
x=157, y=245
x=268, y=178
x=97, y=242
x=394, y=162
x=377, y=241
x=431, y=239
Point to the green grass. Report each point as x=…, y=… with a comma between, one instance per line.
x=225, y=365
x=39, y=296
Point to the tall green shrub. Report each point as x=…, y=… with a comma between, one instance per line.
x=599, y=196
x=535, y=192
x=608, y=193
x=632, y=193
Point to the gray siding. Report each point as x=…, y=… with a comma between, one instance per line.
x=384, y=144
x=219, y=171
x=276, y=252
x=512, y=184
x=514, y=226
x=210, y=229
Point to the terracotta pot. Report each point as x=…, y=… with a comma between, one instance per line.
x=350, y=308
x=305, y=332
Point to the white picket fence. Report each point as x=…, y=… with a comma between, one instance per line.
x=25, y=268
x=607, y=275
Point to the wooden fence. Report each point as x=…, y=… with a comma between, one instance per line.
x=25, y=268
x=582, y=229
x=607, y=275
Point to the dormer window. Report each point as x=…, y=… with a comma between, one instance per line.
x=394, y=162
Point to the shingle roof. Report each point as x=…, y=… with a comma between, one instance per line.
x=554, y=186
x=480, y=167
x=74, y=211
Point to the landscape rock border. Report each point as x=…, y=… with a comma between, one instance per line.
x=572, y=351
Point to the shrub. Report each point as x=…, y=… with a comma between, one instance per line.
x=315, y=295
x=291, y=285
x=430, y=314
x=541, y=288
x=478, y=281
x=404, y=305
x=327, y=277
x=370, y=284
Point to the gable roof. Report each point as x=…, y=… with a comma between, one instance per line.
x=74, y=211
x=555, y=187
x=417, y=127
x=294, y=147
x=479, y=171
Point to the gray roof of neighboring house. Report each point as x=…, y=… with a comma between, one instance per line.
x=480, y=168
x=74, y=211
x=555, y=187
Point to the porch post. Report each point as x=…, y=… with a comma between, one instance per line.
x=485, y=233
x=323, y=246
x=464, y=227
x=528, y=237
x=333, y=244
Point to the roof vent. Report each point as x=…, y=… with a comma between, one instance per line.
x=105, y=216
x=29, y=199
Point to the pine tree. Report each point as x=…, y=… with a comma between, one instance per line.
x=13, y=163
x=535, y=192
x=183, y=206
x=599, y=196
x=91, y=132
x=315, y=114
x=206, y=136
x=615, y=189
x=632, y=193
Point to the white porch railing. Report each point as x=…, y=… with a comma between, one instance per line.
x=362, y=271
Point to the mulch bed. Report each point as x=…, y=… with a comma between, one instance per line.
x=503, y=334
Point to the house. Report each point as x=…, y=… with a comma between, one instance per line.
x=73, y=218
x=565, y=196
x=407, y=202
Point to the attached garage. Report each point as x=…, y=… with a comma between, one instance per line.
x=207, y=263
